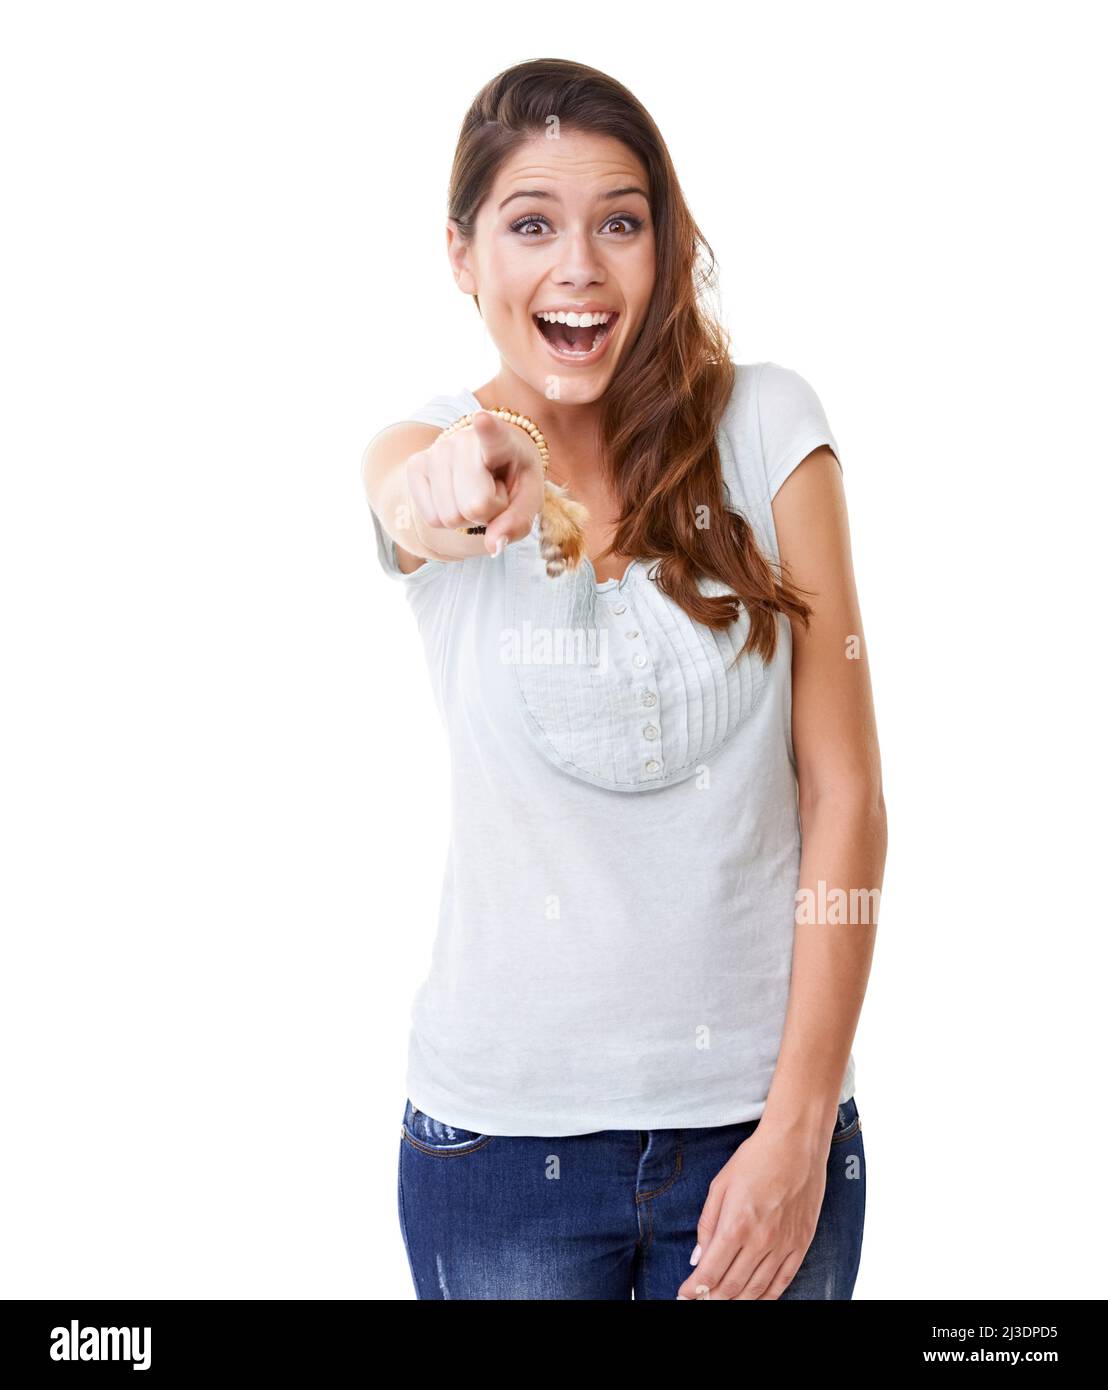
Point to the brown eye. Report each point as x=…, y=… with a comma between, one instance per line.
x=632, y=224
x=528, y=222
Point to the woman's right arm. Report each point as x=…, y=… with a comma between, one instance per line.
x=491, y=473
x=385, y=477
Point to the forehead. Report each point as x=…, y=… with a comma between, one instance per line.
x=577, y=164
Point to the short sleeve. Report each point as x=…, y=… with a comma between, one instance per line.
x=791, y=423
x=386, y=555
x=438, y=411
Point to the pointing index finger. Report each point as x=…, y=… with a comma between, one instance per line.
x=494, y=436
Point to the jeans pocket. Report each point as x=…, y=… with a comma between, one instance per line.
x=435, y=1137
x=847, y=1122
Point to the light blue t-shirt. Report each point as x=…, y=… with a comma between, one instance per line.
x=616, y=924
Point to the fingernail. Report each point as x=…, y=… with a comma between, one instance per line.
x=500, y=544
x=682, y=1299
x=694, y=1256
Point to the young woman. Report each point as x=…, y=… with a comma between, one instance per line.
x=630, y=1069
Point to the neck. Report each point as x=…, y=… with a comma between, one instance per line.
x=572, y=429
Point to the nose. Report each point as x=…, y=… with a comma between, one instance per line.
x=579, y=261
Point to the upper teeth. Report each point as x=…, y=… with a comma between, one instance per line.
x=572, y=319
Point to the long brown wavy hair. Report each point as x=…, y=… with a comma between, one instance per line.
x=664, y=403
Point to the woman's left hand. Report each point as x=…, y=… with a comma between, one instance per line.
x=759, y=1218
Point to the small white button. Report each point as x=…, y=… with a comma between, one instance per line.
x=650, y=699
x=620, y=608
x=652, y=765
x=650, y=731
x=639, y=659
x=632, y=634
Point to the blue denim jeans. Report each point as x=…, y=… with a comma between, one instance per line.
x=610, y=1215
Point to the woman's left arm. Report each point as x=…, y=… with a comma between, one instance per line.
x=763, y=1206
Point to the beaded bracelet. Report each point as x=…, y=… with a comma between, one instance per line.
x=514, y=418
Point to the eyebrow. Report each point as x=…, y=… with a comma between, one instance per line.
x=543, y=193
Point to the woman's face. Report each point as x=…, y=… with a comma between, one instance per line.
x=565, y=231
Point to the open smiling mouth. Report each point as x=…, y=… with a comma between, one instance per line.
x=572, y=341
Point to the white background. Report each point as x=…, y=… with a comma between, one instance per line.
x=223, y=827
